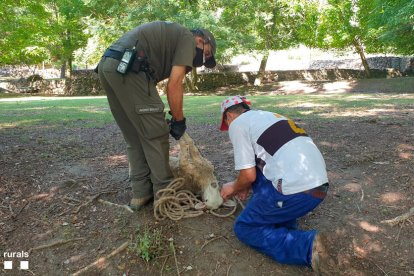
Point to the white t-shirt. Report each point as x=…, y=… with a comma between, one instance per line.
x=280, y=149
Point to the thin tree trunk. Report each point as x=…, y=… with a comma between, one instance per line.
x=63, y=70
x=262, y=69
x=70, y=67
x=69, y=43
x=360, y=51
x=193, y=80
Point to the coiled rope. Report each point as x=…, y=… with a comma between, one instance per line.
x=177, y=204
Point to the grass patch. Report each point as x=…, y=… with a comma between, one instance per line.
x=95, y=112
x=11, y=95
x=87, y=112
x=148, y=245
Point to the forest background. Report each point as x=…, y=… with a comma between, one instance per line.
x=68, y=34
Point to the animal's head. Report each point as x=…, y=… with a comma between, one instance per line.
x=198, y=172
x=211, y=195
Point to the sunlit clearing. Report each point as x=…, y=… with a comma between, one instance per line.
x=118, y=159
x=40, y=98
x=405, y=151
x=352, y=187
x=361, y=96
x=7, y=125
x=337, y=87
x=19, y=123
x=406, y=155
x=101, y=263
x=303, y=104
x=365, y=113
x=94, y=110
x=361, y=252
x=369, y=227
x=370, y=244
x=44, y=196
x=312, y=105
x=392, y=197
x=306, y=112
x=329, y=144
x=297, y=86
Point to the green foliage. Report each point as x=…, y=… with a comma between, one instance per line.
x=53, y=30
x=67, y=33
x=21, y=26
x=262, y=25
x=148, y=245
x=391, y=24
x=380, y=26
x=337, y=25
x=44, y=30
x=110, y=20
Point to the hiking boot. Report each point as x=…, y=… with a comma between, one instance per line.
x=137, y=203
x=322, y=263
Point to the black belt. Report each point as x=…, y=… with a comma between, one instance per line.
x=318, y=192
x=113, y=54
x=138, y=65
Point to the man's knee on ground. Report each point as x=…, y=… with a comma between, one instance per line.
x=243, y=231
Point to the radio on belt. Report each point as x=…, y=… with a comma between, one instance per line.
x=126, y=61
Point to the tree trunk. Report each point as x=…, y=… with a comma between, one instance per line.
x=260, y=75
x=70, y=67
x=360, y=51
x=63, y=70
x=193, y=80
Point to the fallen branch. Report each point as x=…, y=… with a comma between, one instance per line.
x=400, y=218
x=362, y=194
x=11, y=211
x=56, y=243
x=126, y=207
x=64, y=212
x=93, y=198
x=102, y=260
x=228, y=270
x=14, y=216
x=72, y=199
x=163, y=264
x=175, y=257
x=207, y=242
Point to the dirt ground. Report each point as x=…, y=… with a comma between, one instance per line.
x=47, y=176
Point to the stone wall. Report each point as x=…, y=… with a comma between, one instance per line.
x=20, y=71
x=86, y=82
x=216, y=80
x=34, y=85
x=402, y=64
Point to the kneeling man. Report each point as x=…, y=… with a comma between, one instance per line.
x=287, y=174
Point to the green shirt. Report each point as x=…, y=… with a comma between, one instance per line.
x=165, y=44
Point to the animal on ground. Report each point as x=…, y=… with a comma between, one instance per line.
x=197, y=171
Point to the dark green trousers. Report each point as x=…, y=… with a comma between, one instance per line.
x=139, y=112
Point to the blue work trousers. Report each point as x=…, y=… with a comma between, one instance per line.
x=268, y=223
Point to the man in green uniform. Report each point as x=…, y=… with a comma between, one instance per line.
x=161, y=50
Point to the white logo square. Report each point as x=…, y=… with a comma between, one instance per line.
x=24, y=265
x=8, y=264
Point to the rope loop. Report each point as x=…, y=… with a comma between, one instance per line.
x=177, y=204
